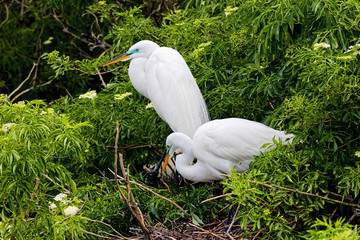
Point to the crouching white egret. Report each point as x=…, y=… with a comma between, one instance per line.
x=220, y=145
x=162, y=75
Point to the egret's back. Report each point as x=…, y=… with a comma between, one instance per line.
x=223, y=143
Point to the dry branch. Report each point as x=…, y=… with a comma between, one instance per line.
x=48, y=178
x=214, y=198
x=29, y=89
x=101, y=78
x=7, y=13
x=156, y=194
x=130, y=200
x=305, y=193
x=208, y=232
x=22, y=83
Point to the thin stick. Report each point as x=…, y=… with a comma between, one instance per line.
x=100, y=236
x=66, y=30
x=101, y=78
x=305, y=193
x=22, y=83
x=7, y=13
x=156, y=194
x=233, y=220
x=93, y=74
x=214, y=198
x=37, y=183
x=106, y=224
x=208, y=232
x=29, y=89
x=133, y=206
x=48, y=178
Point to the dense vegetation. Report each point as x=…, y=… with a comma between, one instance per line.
x=291, y=64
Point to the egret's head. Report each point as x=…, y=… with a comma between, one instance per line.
x=142, y=49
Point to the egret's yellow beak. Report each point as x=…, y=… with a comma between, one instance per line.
x=122, y=57
x=166, y=161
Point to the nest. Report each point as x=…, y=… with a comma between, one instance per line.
x=215, y=230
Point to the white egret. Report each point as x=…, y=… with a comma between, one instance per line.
x=220, y=145
x=162, y=75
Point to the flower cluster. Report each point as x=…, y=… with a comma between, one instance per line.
x=89, y=95
x=322, y=45
x=354, y=48
x=229, y=10
x=200, y=49
x=71, y=211
x=62, y=198
x=122, y=96
x=7, y=126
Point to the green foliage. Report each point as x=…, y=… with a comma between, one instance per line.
x=290, y=64
x=326, y=229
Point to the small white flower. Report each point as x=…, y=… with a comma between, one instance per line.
x=122, y=96
x=229, y=10
x=7, y=126
x=357, y=46
x=60, y=197
x=323, y=45
x=89, y=95
x=52, y=205
x=71, y=211
x=150, y=105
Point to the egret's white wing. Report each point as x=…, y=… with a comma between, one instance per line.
x=223, y=143
x=174, y=92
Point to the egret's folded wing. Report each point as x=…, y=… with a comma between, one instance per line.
x=223, y=143
x=174, y=92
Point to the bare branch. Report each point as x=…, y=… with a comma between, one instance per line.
x=106, y=224
x=233, y=220
x=305, y=193
x=100, y=236
x=208, y=232
x=7, y=13
x=156, y=194
x=29, y=89
x=93, y=74
x=101, y=78
x=48, y=178
x=214, y=198
x=130, y=201
x=22, y=83
x=66, y=30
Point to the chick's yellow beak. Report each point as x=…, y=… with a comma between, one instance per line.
x=122, y=57
x=166, y=161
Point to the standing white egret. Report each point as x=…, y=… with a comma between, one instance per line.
x=162, y=75
x=220, y=145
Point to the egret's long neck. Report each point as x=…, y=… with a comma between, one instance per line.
x=137, y=75
x=183, y=161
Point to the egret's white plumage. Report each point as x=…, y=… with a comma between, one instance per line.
x=220, y=145
x=162, y=75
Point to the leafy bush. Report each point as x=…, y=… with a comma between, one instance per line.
x=290, y=64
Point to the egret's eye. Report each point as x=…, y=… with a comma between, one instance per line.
x=137, y=50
